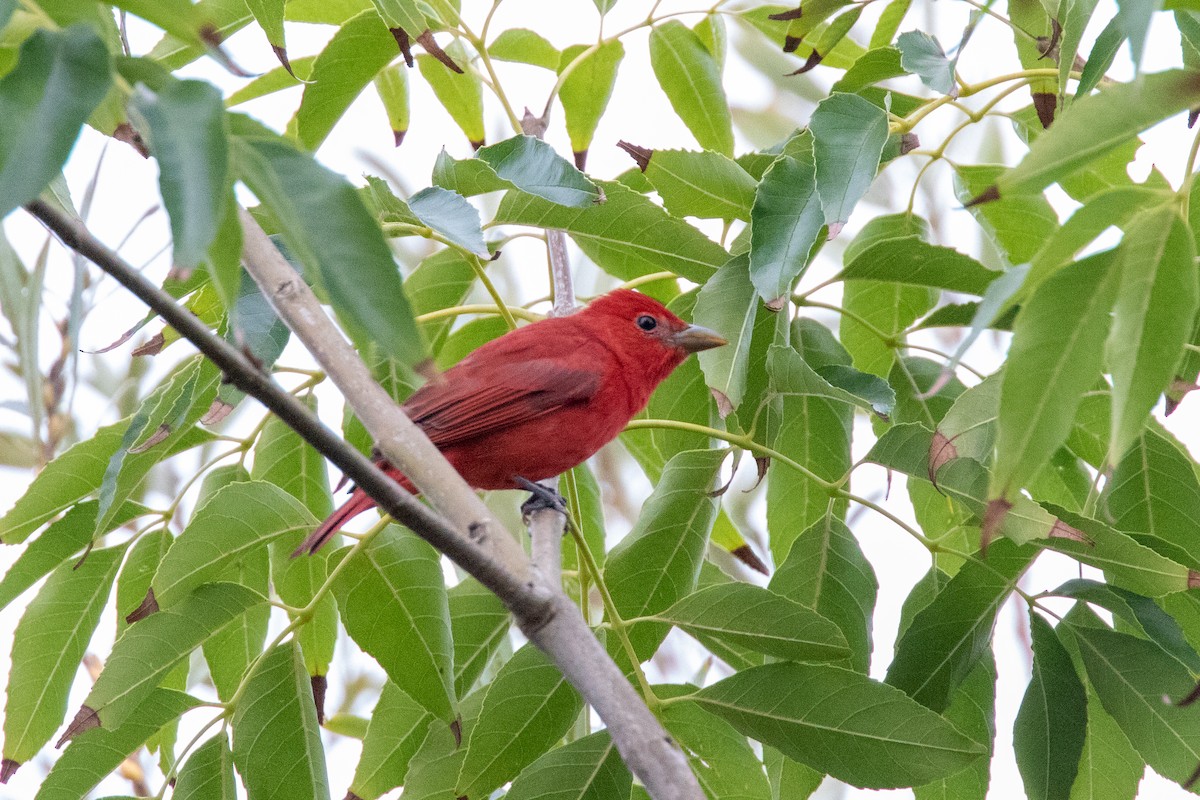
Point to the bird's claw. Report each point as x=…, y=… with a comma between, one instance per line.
x=541, y=498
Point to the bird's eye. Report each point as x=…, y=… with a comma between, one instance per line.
x=647, y=322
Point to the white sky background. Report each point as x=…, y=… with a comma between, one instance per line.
x=639, y=112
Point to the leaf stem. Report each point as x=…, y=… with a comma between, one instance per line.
x=456, y=311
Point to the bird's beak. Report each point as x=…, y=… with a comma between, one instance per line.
x=695, y=338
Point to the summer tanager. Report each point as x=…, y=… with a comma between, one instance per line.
x=541, y=399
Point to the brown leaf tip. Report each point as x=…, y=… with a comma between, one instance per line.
x=1061, y=530
x=941, y=452
x=218, y=411
x=1192, y=697
x=580, y=159
x=128, y=134
x=1046, y=104
x=8, y=768
x=790, y=43
x=1193, y=578
x=85, y=720
x=152, y=347
x=988, y=195
x=319, y=684
x=427, y=41
x=398, y=137
x=401, y=37
x=160, y=435
x=456, y=730
x=148, y=606
x=787, y=16
x=351, y=796
x=993, y=518
x=814, y=58
x=640, y=155
x=281, y=54
x=747, y=556
x=908, y=143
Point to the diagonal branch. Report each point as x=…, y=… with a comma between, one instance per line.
x=542, y=611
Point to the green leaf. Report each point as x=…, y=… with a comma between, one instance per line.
x=460, y=93
x=1049, y=731
x=791, y=376
x=237, y=520
x=1019, y=226
x=393, y=602
x=759, y=619
x=48, y=645
x=790, y=780
x=948, y=637
x=283, y=458
x=849, y=133
x=1134, y=21
x=1156, y=304
x=786, y=220
x=451, y=215
x=840, y=722
x=269, y=15
x=329, y=230
x=528, y=707
x=1055, y=357
x=691, y=79
x=586, y=90
x=720, y=757
x=586, y=769
x=148, y=650
x=1132, y=677
x=398, y=726
x=1096, y=124
x=187, y=136
x=1153, y=494
x=404, y=14
x=891, y=308
x=915, y=262
x=973, y=712
x=727, y=304
x=659, y=561
x=627, y=236
x=532, y=166
x=232, y=650
x=705, y=184
x=208, y=773
x=440, y=281
x=60, y=77
x=479, y=623
x=524, y=46
x=276, y=739
x=273, y=81
x=354, y=55
x=391, y=84
x=827, y=571
x=1109, y=767
x=922, y=55
x=60, y=541
x=95, y=753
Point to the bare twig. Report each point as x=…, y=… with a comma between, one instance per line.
x=556, y=241
x=542, y=611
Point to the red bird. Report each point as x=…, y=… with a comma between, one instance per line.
x=541, y=399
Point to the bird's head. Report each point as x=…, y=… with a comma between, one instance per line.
x=643, y=328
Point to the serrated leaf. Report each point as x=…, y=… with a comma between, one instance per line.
x=524, y=46
x=691, y=79
x=659, y=561
x=759, y=619
x=398, y=726
x=187, y=136
x=532, y=166
x=826, y=570
x=720, y=756
x=355, y=54
x=283, y=458
x=326, y=226
x=1152, y=320
x=948, y=637
x=586, y=90
x=786, y=220
x=479, y=623
x=973, y=712
x=528, y=707
x=393, y=602
x=838, y=721
x=922, y=55
x=391, y=84
x=147, y=651
x=60, y=77
x=586, y=769
x=727, y=304
x=628, y=235
x=848, y=138
x=913, y=261
x=790, y=375
x=208, y=773
x=95, y=753
x=1048, y=372
x=460, y=93
x=1132, y=677
x=276, y=739
x=48, y=645
x=451, y=215
x=701, y=184
x=1096, y=124
x=1049, y=731
x=236, y=520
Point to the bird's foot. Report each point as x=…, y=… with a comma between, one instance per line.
x=541, y=498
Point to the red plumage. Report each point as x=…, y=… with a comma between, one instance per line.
x=541, y=399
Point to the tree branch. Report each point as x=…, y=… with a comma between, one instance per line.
x=542, y=611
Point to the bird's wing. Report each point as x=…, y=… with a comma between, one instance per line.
x=473, y=401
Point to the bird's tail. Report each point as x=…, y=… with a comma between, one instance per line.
x=358, y=503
